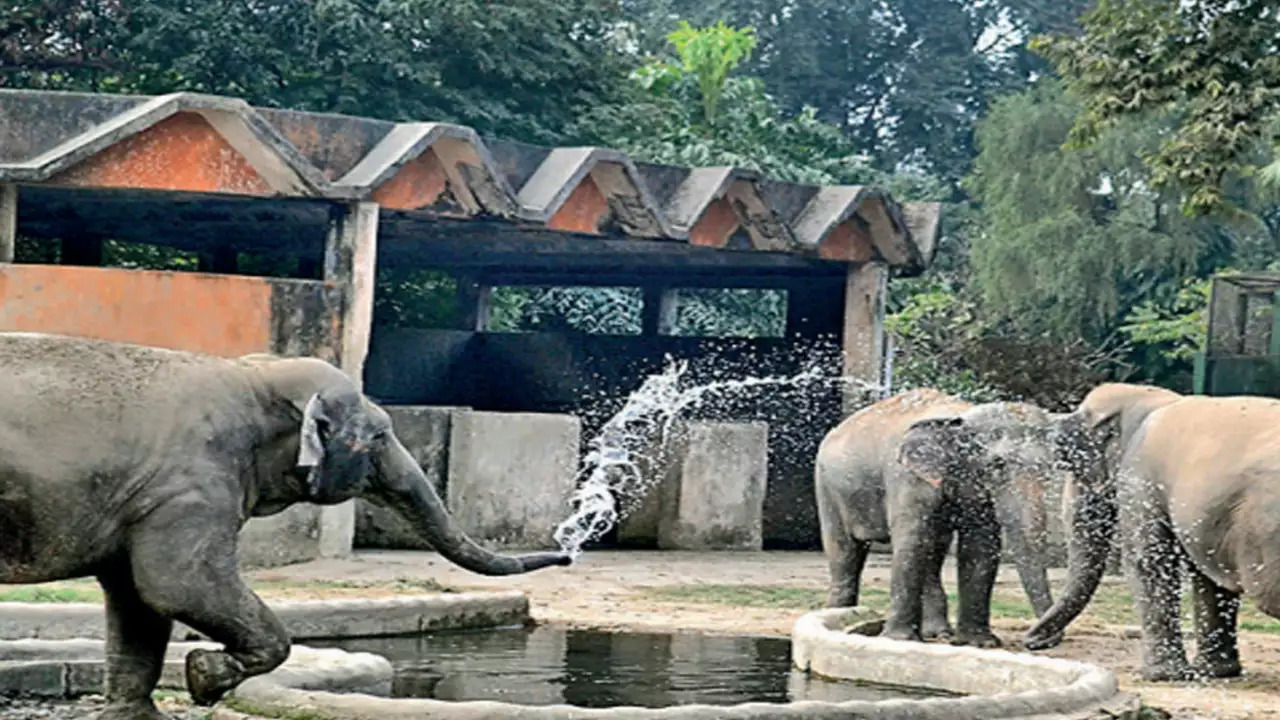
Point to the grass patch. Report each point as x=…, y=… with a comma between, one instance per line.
x=50, y=593
x=1111, y=604
x=87, y=591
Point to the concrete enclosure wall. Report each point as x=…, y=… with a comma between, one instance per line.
x=224, y=315
x=568, y=373
x=511, y=475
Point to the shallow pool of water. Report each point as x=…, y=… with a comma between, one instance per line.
x=550, y=666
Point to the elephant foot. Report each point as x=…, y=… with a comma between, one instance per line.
x=899, y=632
x=1170, y=671
x=137, y=710
x=976, y=639
x=211, y=674
x=1217, y=668
x=936, y=631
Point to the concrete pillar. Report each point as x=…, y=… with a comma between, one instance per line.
x=864, y=306
x=350, y=261
x=660, y=311
x=8, y=221
x=713, y=496
x=474, y=299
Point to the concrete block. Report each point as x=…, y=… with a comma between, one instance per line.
x=713, y=496
x=511, y=475
x=424, y=431
x=640, y=514
x=290, y=536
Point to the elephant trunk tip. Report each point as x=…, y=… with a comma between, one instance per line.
x=537, y=561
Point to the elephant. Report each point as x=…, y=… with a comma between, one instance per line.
x=1195, y=486
x=138, y=466
x=913, y=470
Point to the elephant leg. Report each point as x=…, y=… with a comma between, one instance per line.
x=1153, y=563
x=136, y=640
x=911, y=554
x=1216, y=609
x=934, y=623
x=203, y=589
x=978, y=561
x=846, y=554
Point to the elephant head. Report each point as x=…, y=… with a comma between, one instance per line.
x=1090, y=442
x=333, y=444
x=1001, y=451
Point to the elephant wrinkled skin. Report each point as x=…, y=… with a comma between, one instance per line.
x=139, y=465
x=916, y=469
x=1194, y=486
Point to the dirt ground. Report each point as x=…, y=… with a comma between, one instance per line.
x=615, y=590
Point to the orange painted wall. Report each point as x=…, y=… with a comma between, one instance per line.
x=846, y=242
x=181, y=152
x=583, y=211
x=417, y=184
x=223, y=315
x=717, y=224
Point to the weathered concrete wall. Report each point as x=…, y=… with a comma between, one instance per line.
x=511, y=475
x=224, y=315
x=424, y=431
x=713, y=495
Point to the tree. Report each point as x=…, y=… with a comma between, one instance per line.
x=1214, y=65
x=905, y=79
x=517, y=70
x=1070, y=238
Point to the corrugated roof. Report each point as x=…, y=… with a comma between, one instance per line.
x=187, y=142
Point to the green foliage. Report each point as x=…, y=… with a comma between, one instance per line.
x=1216, y=63
x=691, y=113
x=517, y=70
x=1178, y=328
x=709, y=54
x=906, y=77
x=1070, y=237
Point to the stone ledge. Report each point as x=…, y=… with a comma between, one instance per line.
x=305, y=619
x=70, y=668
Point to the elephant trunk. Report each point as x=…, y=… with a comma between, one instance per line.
x=1092, y=523
x=1022, y=515
x=406, y=489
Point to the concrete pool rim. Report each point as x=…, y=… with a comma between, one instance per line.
x=331, y=683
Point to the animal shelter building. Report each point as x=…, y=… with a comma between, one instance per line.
x=280, y=230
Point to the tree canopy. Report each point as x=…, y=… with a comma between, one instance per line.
x=1214, y=65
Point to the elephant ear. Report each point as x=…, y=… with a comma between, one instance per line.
x=929, y=447
x=310, y=443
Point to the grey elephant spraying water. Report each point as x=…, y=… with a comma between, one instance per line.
x=917, y=470
x=138, y=466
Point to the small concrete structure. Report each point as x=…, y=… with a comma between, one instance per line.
x=713, y=496
x=340, y=204
x=511, y=475
x=424, y=431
